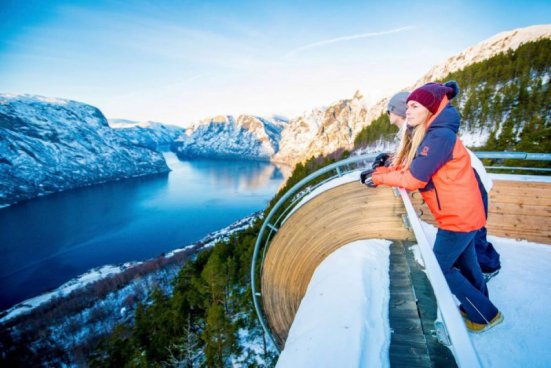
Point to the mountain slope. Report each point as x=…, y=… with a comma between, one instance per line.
x=505, y=102
x=502, y=42
x=298, y=135
x=49, y=145
x=152, y=135
x=247, y=137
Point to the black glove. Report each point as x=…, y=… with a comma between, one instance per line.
x=382, y=159
x=365, y=178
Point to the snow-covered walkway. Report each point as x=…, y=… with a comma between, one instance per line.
x=521, y=292
x=343, y=318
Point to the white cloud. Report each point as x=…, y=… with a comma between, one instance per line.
x=345, y=38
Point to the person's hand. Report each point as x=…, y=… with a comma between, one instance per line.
x=366, y=178
x=382, y=159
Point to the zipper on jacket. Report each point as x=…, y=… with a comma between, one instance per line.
x=437, y=198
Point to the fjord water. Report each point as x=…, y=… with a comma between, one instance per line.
x=47, y=241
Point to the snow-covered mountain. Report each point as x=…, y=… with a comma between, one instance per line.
x=341, y=122
x=149, y=134
x=327, y=129
x=502, y=42
x=247, y=137
x=324, y=130
x=298, y=134
x=49, y=145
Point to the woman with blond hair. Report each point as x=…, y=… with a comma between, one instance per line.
x=432, y=159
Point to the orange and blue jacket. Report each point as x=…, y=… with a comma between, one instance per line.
x=442, y=172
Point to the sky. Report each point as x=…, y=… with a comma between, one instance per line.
x=179, y=62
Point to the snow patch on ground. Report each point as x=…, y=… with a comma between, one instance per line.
x=521, y=292
x=81, y=281
x=475, y=138
x=343, y=320
x=104, y=271
x=417, y=255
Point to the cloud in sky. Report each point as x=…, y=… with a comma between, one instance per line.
x=346, y=38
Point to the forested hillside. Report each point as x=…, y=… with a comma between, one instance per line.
x=209, y=320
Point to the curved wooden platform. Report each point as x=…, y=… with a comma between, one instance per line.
x=329, y=221
x=351, y=212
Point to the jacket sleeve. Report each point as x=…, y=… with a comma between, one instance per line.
x=383, y=169
x=398, y=178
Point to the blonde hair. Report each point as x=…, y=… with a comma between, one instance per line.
x=409, y=143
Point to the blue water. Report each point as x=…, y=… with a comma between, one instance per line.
x=47, y=241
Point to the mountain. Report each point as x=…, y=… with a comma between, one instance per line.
x=339, y=126
x=149, y=134
x=247, y=137
x=345, y=119
x=298, y=134
x=49, y=145
x=502, y=42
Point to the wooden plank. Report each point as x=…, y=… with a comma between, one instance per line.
x=407, y=345
x=521, y=200
x=524, y=184
x=497, y=207
x=519, y=221
x=440, y=355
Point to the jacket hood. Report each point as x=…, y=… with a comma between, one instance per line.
x=447, y=118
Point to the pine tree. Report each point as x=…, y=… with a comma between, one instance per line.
x=219, y=337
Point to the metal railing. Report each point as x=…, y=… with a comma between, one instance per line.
x=516, y=156
x=339, y=168
x=295, y=194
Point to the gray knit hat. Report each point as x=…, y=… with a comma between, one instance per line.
x=397, y=104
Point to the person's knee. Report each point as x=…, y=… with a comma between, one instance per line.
x=448, y=272
x=444, y=261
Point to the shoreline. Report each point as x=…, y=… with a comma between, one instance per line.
x=103, y=272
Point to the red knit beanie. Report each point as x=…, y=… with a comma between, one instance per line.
x=430, y=95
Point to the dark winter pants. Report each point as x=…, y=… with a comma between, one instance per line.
x=465, y=281
x=487, y=256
